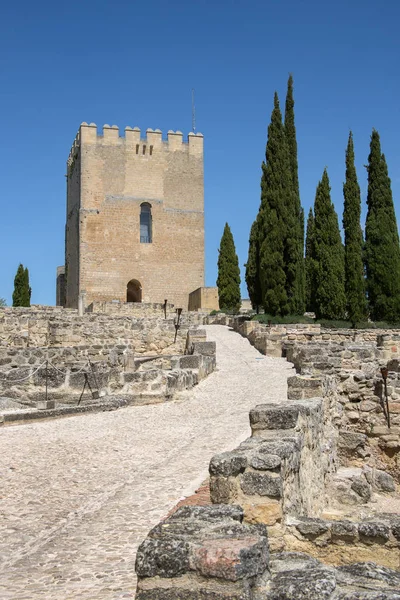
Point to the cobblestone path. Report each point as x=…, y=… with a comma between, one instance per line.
x=77, y=495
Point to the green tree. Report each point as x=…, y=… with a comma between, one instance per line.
x=228, y=280
x=310, y=263
x=252, y=275
x=276, y=197
x=330, y=299
x=294, y=255
x=3, y=302
x=353, y=242
x=382, y=251
x=22, y=291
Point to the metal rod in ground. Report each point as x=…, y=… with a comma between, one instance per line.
x=47, y=373
x=95, y=394
x=387, y=404
x=84, y=386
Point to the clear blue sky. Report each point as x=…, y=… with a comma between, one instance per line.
x=135, y=63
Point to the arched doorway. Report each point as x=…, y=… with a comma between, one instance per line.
x=134, y=291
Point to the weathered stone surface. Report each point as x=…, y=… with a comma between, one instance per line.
x=297, y=576
x=261, y=484
x=162, y=558
x=383, y=481
x=269, y=416
x=343, y=531
x=263, y=462
x=299, y=584
x=228, y=464
x=361, y=487
x=205, y=348
x=311, y=528
x=373, y=533
x=232, y=559
x=350, y=441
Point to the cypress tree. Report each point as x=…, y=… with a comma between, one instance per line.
x=330, y=299
x=353, y=242
x=276, y=188
x=295, y=268
x=310, y=263
x=253, y=267
x=22, y=291
x=382, y=252
x=228, y=281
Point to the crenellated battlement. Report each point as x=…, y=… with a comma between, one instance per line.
x=133, y=139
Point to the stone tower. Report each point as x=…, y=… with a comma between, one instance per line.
x=135, y=217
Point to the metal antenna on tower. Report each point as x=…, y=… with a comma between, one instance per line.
x=193, y=113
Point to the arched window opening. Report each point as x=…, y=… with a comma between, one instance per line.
x=145, y=223
x=134, y=291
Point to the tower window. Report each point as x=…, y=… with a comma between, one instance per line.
x=145, y=223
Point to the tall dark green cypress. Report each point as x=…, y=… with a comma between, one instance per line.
x=353, y=242
x=310, y=263
x=253, y=267
x=382, y=251
x=295, y=268
x=276, y=188
x=22, y=291
x=330, y=299
x=228, y=280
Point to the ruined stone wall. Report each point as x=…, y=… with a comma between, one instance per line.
x=64, y=327
x=209, y=552
x=356, y=384
x=31, y=375
x=109, y=177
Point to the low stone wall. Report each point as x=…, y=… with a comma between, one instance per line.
x=346, y=542
x=297, y=475
x=133, y=309
x=209, y=553
x=353, y=375
x=25, y=373
x=270, y=340
x=30, y=328
x=282, y=468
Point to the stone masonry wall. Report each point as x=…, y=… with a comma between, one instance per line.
x=210, y=553
x=25, y=373
x=64, y=327
x=109, y=177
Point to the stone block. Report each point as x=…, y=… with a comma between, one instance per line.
x=202, y=553
x=272, y=416
x=205, y=348
x=231, y=559
x=261, y=484
x=265, y=462
x=45, y=404
x=228, y=464
x=311, y=528
x=383, y=482
x=190, y=361
x=373, y=533
x=266, y=512
x=344, y=531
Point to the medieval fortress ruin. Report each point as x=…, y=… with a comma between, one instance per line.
x=308, y=506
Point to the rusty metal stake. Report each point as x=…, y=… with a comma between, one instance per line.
x=47, y=373
x=95, y=394
x=384, y=373
x=177, y=324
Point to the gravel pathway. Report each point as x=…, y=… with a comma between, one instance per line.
x=79, y=494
